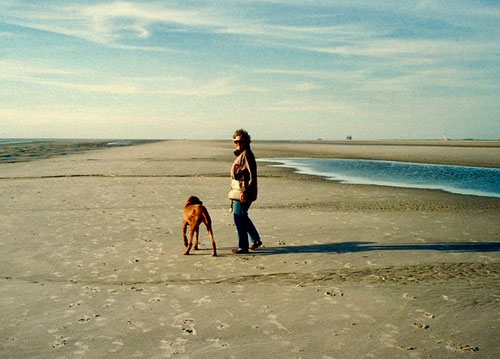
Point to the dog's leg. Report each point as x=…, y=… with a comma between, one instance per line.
x=184, y=229
x=208, y=222
x=196, y=235
x=211, y=235
x=190, y=243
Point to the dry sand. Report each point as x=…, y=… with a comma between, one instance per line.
x=92, y=263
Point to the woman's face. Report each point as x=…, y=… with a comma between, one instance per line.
x=239, y=143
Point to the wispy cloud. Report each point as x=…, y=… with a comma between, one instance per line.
x=12, y=69
x=5, y=34
x=107, y=24
x=454, y=11
x=111, y=88
x=214, y=88
x=37, y=73
x=306, y=86
x=124, y=24
x=410, y=47
x=94, y=82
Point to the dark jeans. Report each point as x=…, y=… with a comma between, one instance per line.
x=244, y=224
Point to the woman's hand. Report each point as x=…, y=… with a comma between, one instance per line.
x=243, y=197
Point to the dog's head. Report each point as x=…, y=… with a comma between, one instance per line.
x=193, y=200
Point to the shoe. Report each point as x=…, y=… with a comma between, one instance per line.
x=256, y=244
x=240, y=251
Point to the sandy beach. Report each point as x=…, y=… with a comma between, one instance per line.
x=92, y=263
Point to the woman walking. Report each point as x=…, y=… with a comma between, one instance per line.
x=244, y=172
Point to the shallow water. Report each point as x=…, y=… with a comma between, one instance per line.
x=11, y=141
x=477, y=181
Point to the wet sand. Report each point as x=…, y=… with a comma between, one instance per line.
x=30, y=151
x=93, y=267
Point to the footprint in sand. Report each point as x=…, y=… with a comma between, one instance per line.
x=84, y=319
x=421, y=325
x=461, y=348
x=189, y=331
x=218, y=343
x=172, y=348
x=60, y=342
x=186, y=325
x=334, y=292
x=425, y=314
x=404, y=347
x=221, y=326
x=409, y=297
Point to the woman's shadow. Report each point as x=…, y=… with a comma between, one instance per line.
x=353, y=247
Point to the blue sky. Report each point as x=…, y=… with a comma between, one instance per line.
x=282, y=69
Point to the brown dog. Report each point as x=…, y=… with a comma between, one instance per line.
x=194, y=214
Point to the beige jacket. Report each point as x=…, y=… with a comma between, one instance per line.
x=244, y=169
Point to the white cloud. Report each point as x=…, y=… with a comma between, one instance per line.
x=105, y=24
x=412, y=48
x=306, y=86
x=13, y=69
x=42, y=74
x=123, y=89
x=114, y=23
x=5, y=34
x=113, y=20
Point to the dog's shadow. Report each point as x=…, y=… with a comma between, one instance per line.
x=353, y=247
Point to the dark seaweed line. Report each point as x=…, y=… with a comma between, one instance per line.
x=402, y=275
x=216, y=175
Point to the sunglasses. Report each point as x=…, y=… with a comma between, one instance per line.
x=239, y=141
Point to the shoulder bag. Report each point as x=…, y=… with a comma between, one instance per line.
x=235, y=190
